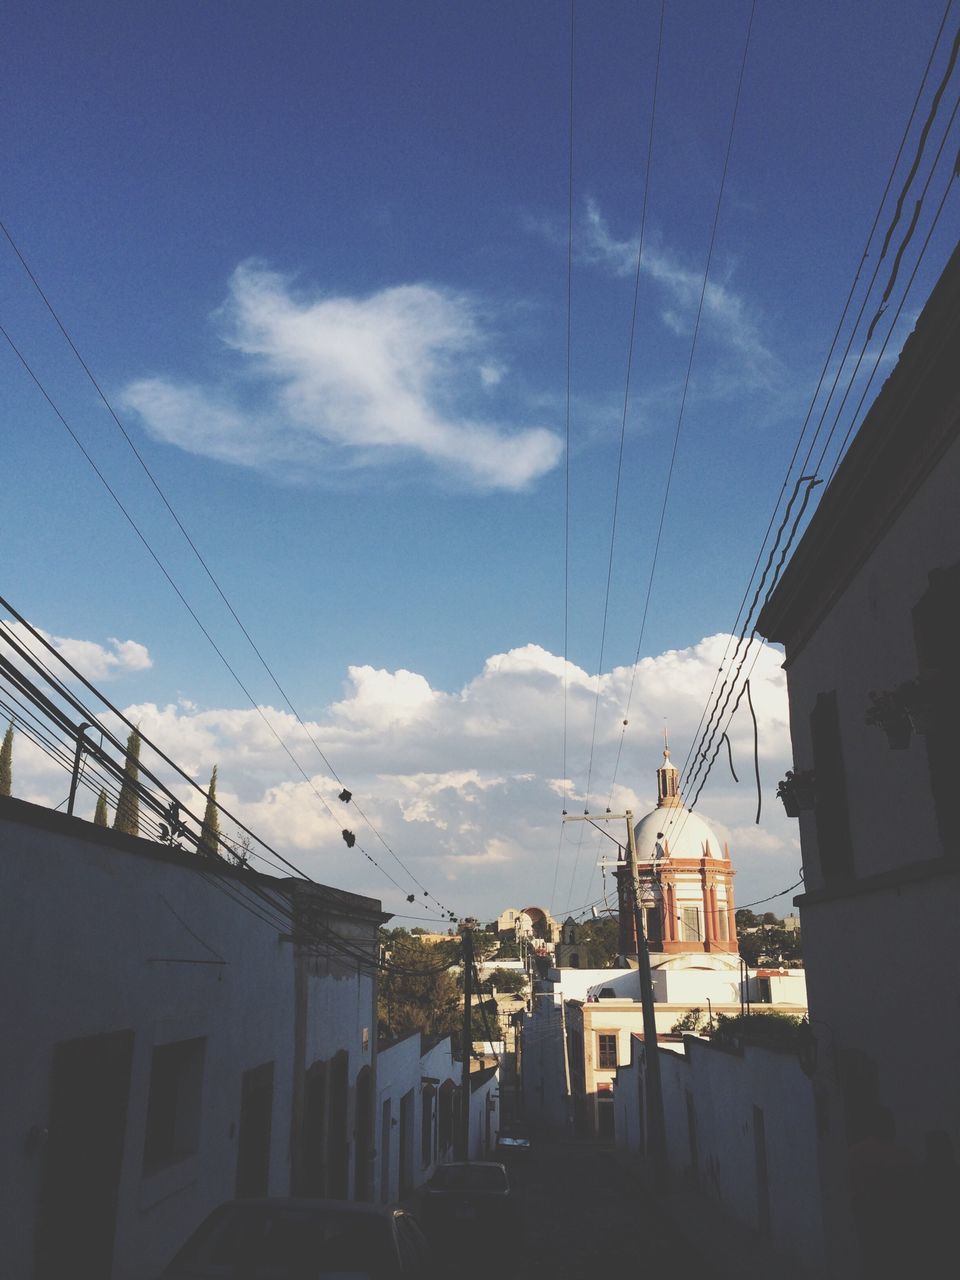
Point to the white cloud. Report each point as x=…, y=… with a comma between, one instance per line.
x=727, y=312
x=335, y=382
x=95, y=661
x=465, y=785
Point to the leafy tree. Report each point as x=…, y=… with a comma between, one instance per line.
x=240, y=849
x=416, y=993
x=479, y=1025
x=512, y=981
x=210, y=831
x=774, y=946
x=508, y=951
x=485, y=943
x=778, y=1030
x=127, y=817
x=599, y=943
x=769, y=918
x=418, y=931
x=693, y=1020
x=101, y=817
x=746, y=919
x=6, y=762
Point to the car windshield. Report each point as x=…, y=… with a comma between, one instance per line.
x=289, y=1243
x=469, y=1177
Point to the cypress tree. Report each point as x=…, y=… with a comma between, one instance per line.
x=6, y=762
x=101, y=817
x=127, y=817
x=210, y=832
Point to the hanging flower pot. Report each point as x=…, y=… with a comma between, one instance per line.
x=796, y=791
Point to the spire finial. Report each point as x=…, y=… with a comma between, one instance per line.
x=668, y=779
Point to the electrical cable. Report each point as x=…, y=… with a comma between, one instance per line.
x=197, y=553
x=566, y=494
x=856, y=415
x=328, y=936
x=828, y=358
x=693, y=347
x=623, y=428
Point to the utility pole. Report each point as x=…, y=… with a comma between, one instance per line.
x=466, y=1048
x=654, y=1087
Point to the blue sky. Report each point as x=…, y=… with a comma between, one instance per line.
x=316, y=256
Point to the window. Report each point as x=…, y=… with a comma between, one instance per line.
x=723, y=921
x=833, y=826
x=690, y=924
x=173, y=1105
x=426, y=1124
x=607, y=1055
x=654, y=927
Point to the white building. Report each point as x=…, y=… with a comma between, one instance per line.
x=868, y=610
x=182, y=1035
x=741, y=1132
x=418, y=1105
x=580, y=1021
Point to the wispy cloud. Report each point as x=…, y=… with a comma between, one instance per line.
x=335, y=382
x=730, y=318
x=726, y=312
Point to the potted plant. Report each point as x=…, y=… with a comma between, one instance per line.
x=888, y=711
x=796, y=791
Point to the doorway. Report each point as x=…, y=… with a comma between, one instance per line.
x=256, y=1111
x=87, y=1126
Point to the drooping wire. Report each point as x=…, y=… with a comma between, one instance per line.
x=826, y=364
x=216, y=648
x=704, y=749
x=566, y=470
x=196, y=551
x=693, y=347
x=631, y=343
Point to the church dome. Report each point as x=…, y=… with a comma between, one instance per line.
x=680, y=833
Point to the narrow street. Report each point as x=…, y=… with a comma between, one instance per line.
x=584, y=1216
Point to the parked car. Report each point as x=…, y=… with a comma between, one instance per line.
x=470, y=1201
x=304, y=1240
x=513, y=1147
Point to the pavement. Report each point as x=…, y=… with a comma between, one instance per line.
x=584, y=1208
x=584, y=1214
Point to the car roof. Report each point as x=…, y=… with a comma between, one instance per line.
x=306, y=1204
x=472, y=1164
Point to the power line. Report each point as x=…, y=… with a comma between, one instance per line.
x=701, y=749
x=623, y=419
x=566, y=469
x=689, y=370
x=195, y=549
x=143, y=539
x=328, y=936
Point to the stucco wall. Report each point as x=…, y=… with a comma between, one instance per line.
x=892, y=819
x=724, y=1089
x=99, y=939
x=885, y=948
x=405, y=1068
